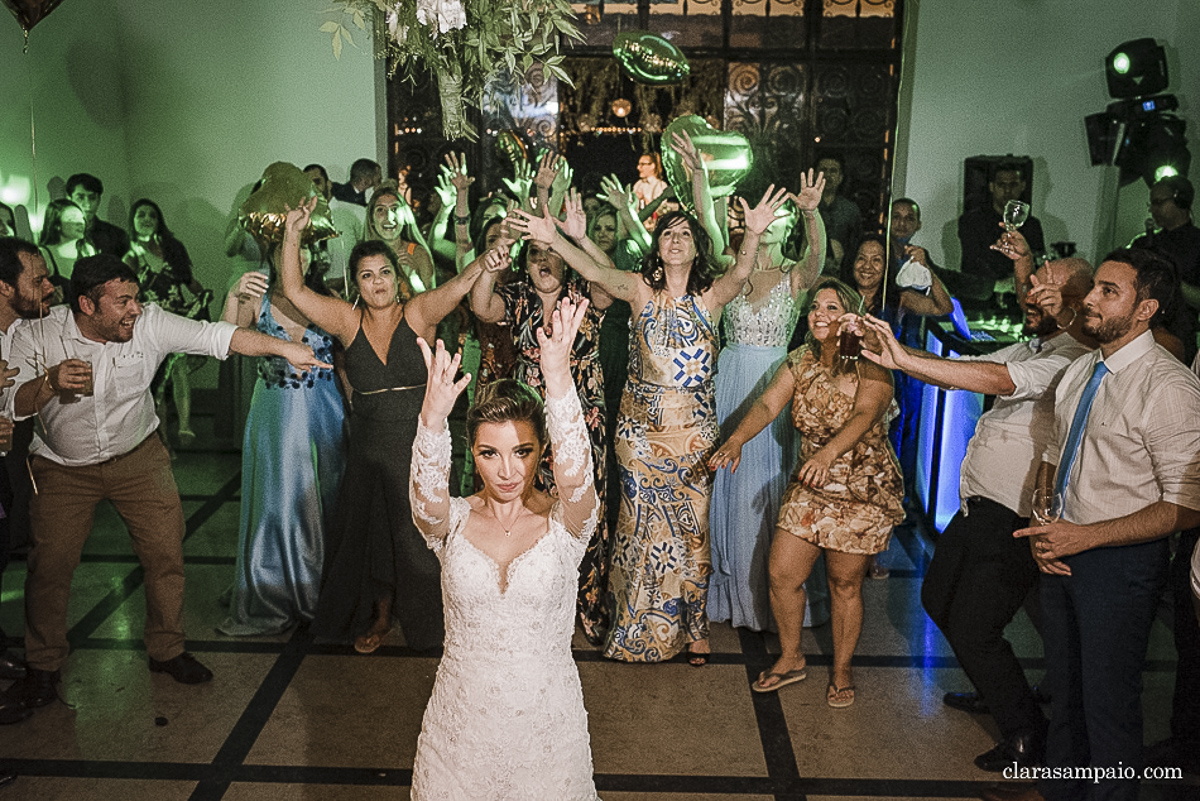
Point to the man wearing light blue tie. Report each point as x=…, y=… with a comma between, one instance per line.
x=1125, y=464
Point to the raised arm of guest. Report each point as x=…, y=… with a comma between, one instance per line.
x=520, y=183
x=544, y=230
x=702, y=194
x=623, y=199
x=757, y=220
x=243, y=301
x=808, y=201
x=553, y=179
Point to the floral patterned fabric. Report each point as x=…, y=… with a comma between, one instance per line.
x=523, y=317
x=856, y=511
x=665, y=434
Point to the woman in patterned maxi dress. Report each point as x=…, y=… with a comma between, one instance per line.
x=660, y=566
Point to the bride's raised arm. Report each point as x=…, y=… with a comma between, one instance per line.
x=564, y=421
x=429, y=478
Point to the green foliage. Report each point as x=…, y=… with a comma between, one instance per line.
x=499, y=35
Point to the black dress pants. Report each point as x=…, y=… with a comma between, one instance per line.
x=977, y=580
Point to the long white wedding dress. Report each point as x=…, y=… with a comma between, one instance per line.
x=506, y=720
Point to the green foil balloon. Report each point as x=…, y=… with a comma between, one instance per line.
x=284, y=186
x=726, y=155
x=649, y=58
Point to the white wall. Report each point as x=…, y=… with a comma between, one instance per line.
x=182, y=103
x=986, y=78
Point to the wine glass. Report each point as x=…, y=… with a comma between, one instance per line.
x=1016, y=212
x=1047, y=506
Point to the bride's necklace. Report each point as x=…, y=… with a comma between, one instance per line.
x=508, y=531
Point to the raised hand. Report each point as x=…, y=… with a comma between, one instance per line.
x=497, y=259
x=445, y=189
x=251, y=285
x=556, y=340
x=809, y=196
x=548, y=169
x=1046, y=296
x=456, y=168
x=522, y=179
x=537, y=228
x=761, y=216
x=441, y=390
x=879, y=343
x=296, y=220
x=575, y=223
x=616, y=193
x=682, y=144
x=563, y=179
x=1013, y=245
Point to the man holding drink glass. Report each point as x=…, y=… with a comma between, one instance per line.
x=105, y=445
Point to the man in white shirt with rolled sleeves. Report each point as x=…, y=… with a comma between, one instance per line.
x=86, y=373
x=1125, y=460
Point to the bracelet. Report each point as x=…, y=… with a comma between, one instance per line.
x=1062, y=327
x=46, y=382
x=462, y=220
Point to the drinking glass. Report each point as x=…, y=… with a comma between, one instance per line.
x=1047, y=506
x=1016, y=212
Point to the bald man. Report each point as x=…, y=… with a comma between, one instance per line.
x=980, y=575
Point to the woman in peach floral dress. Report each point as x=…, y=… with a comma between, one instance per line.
x=845, y=496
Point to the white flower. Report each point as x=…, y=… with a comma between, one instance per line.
x=395, y=29
x=450, y=14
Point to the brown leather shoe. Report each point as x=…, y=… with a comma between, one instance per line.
x=1012, y=792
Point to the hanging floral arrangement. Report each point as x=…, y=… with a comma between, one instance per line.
x=464, y=43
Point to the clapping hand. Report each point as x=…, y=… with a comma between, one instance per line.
x=759, y=218
x=811, y=191
x=441, y=390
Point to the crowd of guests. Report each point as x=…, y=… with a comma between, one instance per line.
x=719, y=460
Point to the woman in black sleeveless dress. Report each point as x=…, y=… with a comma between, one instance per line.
x=377, y=567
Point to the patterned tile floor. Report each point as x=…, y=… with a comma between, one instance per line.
x=287, y=719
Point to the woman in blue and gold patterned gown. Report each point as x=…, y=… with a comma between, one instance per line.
x=667, y=428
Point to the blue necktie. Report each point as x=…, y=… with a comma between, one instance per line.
x=1078, y=424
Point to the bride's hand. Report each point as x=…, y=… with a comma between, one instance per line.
x=556, y=340
x=441, y=390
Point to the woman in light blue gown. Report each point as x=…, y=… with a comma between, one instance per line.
x=292, y=459
x=758, y=326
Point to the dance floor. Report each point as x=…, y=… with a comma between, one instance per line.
x=289, y=719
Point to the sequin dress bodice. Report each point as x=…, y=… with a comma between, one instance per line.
x=769, y=323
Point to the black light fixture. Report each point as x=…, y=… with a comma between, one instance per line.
x=1136, y=68
x=1137, y=132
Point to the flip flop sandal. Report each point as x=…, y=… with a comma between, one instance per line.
x=791, y=677
x=833, y=693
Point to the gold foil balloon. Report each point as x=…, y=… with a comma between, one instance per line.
x=510, y=146
x=726, y=155
x=649, y=58
x=284, y=186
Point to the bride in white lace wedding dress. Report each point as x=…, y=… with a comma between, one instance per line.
x=506, y=720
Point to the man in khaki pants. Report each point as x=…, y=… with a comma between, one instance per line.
x=86, y=373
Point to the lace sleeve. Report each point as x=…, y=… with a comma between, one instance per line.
x=429, y=482
x=573, y=465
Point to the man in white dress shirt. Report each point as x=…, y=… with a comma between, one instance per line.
x=980, y=576
x=85, y=371
x=1125, y=459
